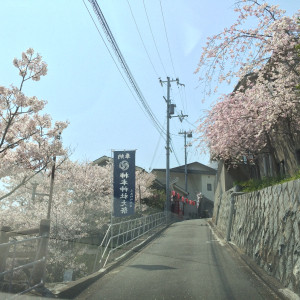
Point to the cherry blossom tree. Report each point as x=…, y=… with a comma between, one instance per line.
x=81, y=209
x=261, y=32
x=144, y=182
x=81, y=202
x=28, y=141
x=265, y=103
x=82, y=189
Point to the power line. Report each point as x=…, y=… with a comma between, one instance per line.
x=183, y=99
x=156, y=148
x=154, y=38
x=190, y=123
x=167, y=37
x=173, y=151
x=112, y=56
x=176, y=94
x=180, y=96
x=124, y=65
x=142, y=40
x=184, y=92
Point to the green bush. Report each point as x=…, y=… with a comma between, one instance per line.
x=255, y=184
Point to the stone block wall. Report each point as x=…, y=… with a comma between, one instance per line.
x=266, y=226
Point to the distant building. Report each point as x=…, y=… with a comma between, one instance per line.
x=102, y=161
x=201, y=179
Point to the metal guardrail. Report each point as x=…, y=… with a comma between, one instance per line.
x=36, y=277
x=122, y=233
x=21, y=267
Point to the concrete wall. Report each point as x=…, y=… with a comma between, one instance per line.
x=208, y=179
x=194, y=185
x=223, y=181
x=266, y=226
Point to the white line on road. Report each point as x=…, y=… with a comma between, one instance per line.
x=289, y=294
x=220, y=241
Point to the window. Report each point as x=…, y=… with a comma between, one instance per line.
x=209, y=188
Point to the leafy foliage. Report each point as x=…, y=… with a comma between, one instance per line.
x=81, y=203
x=265, y=103
x=157, y=200
x=28, y=140
x=256, y=185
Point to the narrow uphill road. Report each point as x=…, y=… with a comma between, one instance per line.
x=186, y=262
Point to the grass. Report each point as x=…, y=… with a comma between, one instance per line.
x=256, y=184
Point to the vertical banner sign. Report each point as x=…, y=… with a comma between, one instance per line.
x=124, y=183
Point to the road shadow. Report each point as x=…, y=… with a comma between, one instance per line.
x=152, y=267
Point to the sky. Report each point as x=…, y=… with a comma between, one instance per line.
x=84, y=85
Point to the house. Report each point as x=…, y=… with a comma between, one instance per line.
x=200, y=179
x=280, y=156
x=102, y=161
x=284, y=162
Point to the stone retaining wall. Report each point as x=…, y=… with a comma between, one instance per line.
x=266, y=227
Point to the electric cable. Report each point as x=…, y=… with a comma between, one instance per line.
x=137, y=28
x=173, y=151
x=190, y=123
x=154, y=38
x=183, y=99
x=167, y=37
x=155, y=151
x=124, y=65
x=184, y=92
x=112, y=57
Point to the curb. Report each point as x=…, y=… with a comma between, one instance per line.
x=271, y=282
x=74, y=288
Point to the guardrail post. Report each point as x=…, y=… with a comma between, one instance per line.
x=38, y=272
x=4, y=238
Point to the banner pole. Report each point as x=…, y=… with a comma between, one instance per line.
x=112, y=198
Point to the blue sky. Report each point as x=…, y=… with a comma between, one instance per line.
x=83, y=84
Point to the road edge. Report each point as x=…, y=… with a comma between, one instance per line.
x=74, y=288
x=271, y=282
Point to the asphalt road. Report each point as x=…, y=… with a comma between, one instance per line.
x=186, y=262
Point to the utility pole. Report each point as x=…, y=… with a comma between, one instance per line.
x=170, y=112
x=189, y=135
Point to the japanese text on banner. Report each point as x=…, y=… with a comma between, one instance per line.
x=124, y=183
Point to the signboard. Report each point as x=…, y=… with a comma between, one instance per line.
x=124, y=183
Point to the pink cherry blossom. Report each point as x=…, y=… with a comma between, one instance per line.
x=265, y=103
x=28, y=141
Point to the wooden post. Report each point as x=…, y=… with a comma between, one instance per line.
x=4, y=238
x=140, y=198
x=38, y=271
x=51, y=188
